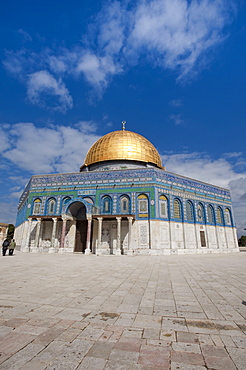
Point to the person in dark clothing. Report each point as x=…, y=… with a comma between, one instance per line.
x=12, y=246
x=5, y=246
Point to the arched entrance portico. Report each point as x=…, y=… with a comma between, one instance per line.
x=78, y=211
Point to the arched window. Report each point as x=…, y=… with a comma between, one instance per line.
x=211, y=218
x=51, y=206
x=219, y=215
x=228, y=216
x=163, y=206
x=107, y=204
x=177, y=209
x=189, y=211
x=37, y=206
x=200, y=213
x=143, y=205
x=124, y=204
x=66, y=200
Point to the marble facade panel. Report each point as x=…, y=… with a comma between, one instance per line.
x=21, y=233
x=230, y=237
x=143, y=233
x=160, y=235
x=190, y=236
x=221, y=237
x=212, y=237
x=177, y=235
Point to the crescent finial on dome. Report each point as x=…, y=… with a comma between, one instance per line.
x=123, y=125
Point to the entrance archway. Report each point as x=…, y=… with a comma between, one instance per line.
x=78, y=211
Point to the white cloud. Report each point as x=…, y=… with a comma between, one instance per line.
x=20, y=180
x=220, y=172
x=10, y=192
x=238, y=191
x=4, y=142
x=38, y=150
x=111, y=27
x=47, y=150
x=16, y=194
x=202, y=167
x=8, y=211
x=42, y=84
x=171, y=34
x=176, y=103
x=97, y=70
x=24, y=35
x=87, y=127
x=14, y=62
x=177, y=119
x=57, y=64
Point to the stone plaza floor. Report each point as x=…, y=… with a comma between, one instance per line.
x=70, y=311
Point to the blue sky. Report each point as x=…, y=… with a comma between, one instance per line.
x=173, y=69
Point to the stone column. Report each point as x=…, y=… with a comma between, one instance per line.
x=130, y=249
x=63, y=234
x=52, y=248
x=88, y=237
x=118, y=249
x=226, y=239
x=206, y=236
x=217, y=236
x=23, y=233
x=36, y=245
x=40, y=240
x=170, y=234
x=72, y=236
x=196, y=234
x=99, y=238
x=184, y=236
x=26, y=247
x=235, y=238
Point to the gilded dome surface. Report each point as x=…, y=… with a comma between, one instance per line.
x=123, y=145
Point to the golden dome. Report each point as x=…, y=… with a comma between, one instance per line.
x=123, y=145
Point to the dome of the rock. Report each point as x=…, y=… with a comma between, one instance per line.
x=123, y=145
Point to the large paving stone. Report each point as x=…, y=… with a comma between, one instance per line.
x=146, y=312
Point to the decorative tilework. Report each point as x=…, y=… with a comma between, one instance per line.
x=150, y=174
x=118, y=182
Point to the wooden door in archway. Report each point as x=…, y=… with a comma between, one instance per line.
x=81, y=233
